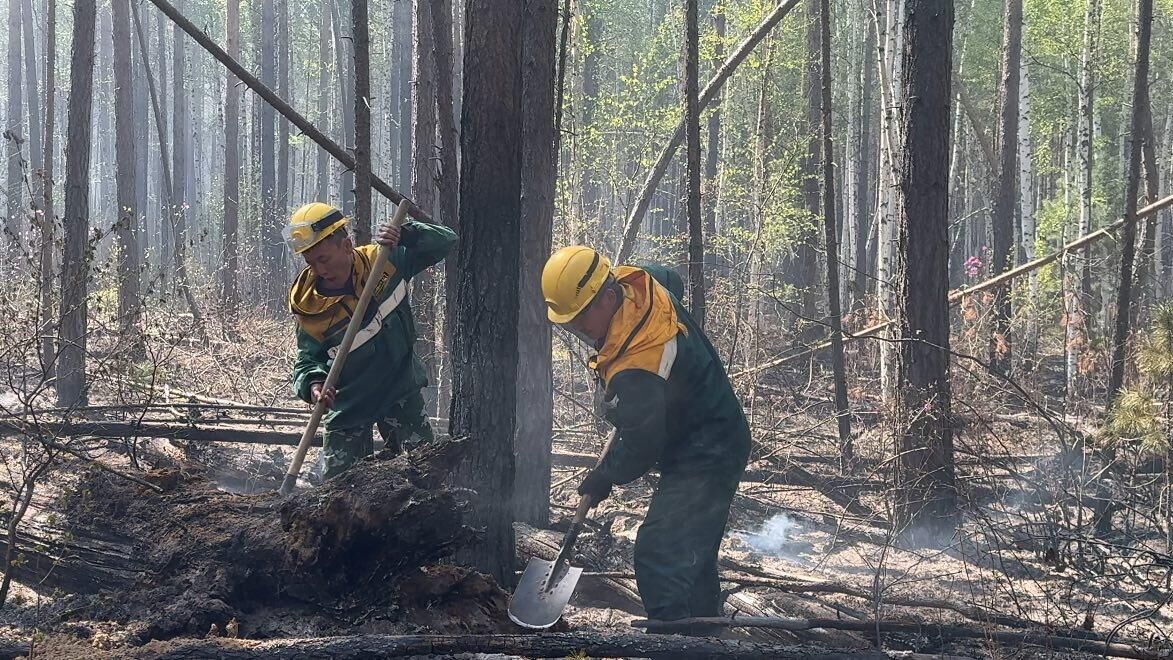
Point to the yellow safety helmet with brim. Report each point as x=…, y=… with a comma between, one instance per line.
x=571, y=279
x=310, y=224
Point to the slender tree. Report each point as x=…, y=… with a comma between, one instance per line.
x=71, y=366
x=283, y=171
x=323, y=163
x=926, y=497
x=403, y=41
x=32, y=95
x=535, y=386
x=271, y=247
x=713, y=132
x=180, y=136
x=14, y=133
x=344, y=56
x=831, y=242
x=692, y=113
x=126, y=162
x=231, y=163
x=362, y=117
x=484, y=329
x=48, y=221
x=1006, y=194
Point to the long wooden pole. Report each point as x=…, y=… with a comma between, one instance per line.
x=957, y=296
x=270, y=97
x=356, y=319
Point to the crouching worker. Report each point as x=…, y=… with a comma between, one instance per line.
x=382, y=379
x=670, y=400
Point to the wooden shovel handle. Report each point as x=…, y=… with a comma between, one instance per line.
x=352, y=328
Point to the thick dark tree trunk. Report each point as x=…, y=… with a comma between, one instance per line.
x=926, y=496
x=231, y=164
x=692, y=114
x=535, y=415
x=128, y=249
x=830, y=241
x=484, y=327
x=71, y=376
x=403, y=61
x=1006, y=194
x=448, y=183
x=1144, y=33
x=360, y=30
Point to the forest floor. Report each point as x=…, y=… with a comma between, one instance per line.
x=107, y=567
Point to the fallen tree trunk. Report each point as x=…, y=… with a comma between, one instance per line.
x=547, y=645
x=1043, y=639
x=957, y=296
x=742, y=51
x=211, y=433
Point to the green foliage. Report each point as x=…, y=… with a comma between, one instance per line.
x=1142, y=413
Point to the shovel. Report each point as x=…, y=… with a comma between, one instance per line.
x=546, y=586
x=352, y=328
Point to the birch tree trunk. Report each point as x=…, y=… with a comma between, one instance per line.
x=1026, y=202
x=71, y=365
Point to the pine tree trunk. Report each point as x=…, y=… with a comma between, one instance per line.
x=48, y=350
x=13, y=137
x=270, y=222
x=71, y=376
x=535, y=392
x=32, y=95
x=423, y=107
x=713, y=135
x=805, y=265
x=448, y=188
x=343, y=51
x=362, y=232
x=588, y=186
x=128, y=249
x=692, y=130
x=863, y=184
x=323, y=162
x=232, y=165
x=180, y=122
x=1005, y=196
x=484, y=327
x=142, y=177
x=403, y=40
x=830, y=242
x=166, y=257
x=926, y=497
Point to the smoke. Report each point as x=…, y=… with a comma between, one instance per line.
x=773, y=537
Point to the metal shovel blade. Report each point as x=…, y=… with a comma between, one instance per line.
x=537, y=604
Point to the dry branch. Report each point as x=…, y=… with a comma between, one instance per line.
x=1043, y=639
x=996, y=281
x=548, y=645
x=270, y=97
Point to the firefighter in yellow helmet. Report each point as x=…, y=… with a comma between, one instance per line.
x=667, y=394
x=382, y=381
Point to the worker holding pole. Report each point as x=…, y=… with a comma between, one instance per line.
x=382, y=379
x=672, y=405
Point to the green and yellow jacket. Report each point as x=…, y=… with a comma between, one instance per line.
x=382, y=367
x=666, y=391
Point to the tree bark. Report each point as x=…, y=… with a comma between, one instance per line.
x=535, y=393
x=926, y=497
x=804, y=268
x=361, y=42
x=1006, y=195
x=180, y=132
x=32, y=94
x=403, y=40
x=1144, y=33
x=588, y=185
x=343, y=54
x=283, y=172
x=484, y=327
x=423, y=106
x=270, y=222
x=1078, y=269
x=713, y=135
x=48, y=220
x=128, y=249
x=692, y=123
x=231, y=164
x=323, y=162
x=71, y=376
x=14, y=136
x=644, y=198
x=830, y=241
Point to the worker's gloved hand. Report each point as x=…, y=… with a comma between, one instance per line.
x=596, y=486
x=388, y=236
x=326, y=395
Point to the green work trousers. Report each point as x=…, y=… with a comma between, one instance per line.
x=404, y=426
x=676, y=546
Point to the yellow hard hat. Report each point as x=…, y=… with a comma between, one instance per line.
x=310, y=224
x=571, y=279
